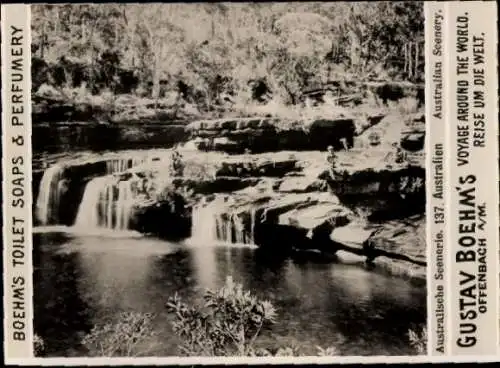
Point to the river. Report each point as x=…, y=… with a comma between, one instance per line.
x=82, y=280
x=85, y=279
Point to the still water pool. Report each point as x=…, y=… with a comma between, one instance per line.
x=81, y=281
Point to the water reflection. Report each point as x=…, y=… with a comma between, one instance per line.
x=61, y=316
x=205, y=266
x=80, y=281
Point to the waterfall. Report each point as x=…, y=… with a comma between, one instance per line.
x=253, y=214
x=88, y=211
x=204, y=223
x=214, y=222
x=106, y=204
x=124, y=205
x=49, y=193
x=118, y=165
x=111, y=201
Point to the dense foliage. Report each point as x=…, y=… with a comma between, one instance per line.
x=210, y=52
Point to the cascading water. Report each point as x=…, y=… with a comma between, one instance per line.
x=204, y=223
x=214, y=222
x=52, y=186
x=252, y=223
x=124, y=204
x=106, y=203
x=88, y=216
x=118, y=165
x=47, y=203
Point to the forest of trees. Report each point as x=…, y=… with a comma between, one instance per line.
x=209, y=49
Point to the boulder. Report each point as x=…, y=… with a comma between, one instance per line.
x=404, y=237
x=299, y=184
x=248, y=166
x=310, y=217
x=402, y=240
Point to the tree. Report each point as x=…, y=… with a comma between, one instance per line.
x=221, y=47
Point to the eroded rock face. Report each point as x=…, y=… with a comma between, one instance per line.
x=281, y=201
x=271, y=219
x=397, y=245
x=270, y=134
x=297, y=211
x=405, y=182
x=60, y=137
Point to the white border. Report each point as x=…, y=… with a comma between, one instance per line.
x=227, y=360
x=435, y=132
x=247, y=361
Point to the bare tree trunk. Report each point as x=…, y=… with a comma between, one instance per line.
x=410, y=62
x=354, y=51
x=405, y=68
x=116, y=32
x=56, y=23
x=329, y=62
x=156, y=78
x=83, y=30
x=42, y=44
x=416, y=60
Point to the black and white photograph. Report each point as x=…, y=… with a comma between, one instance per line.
x=239, y=179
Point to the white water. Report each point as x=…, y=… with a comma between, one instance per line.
x=124, y=205
x=88, y=216
x=52, y=184
x=106, y=204
x=204, y=224
x=213, y=223
x=123, y=164
x=47, y=204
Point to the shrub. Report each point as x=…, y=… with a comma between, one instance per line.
x=418, y=340
x=129, y=335
x=228, y=323
x=38, y=345
x=329, y=351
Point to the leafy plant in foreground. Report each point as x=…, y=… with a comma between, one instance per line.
x=418, y=340
x=38, y=345
x=228, y=323
x=129, y=335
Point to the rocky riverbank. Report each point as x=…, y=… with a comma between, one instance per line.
x=259, y=180
x=281, y=201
